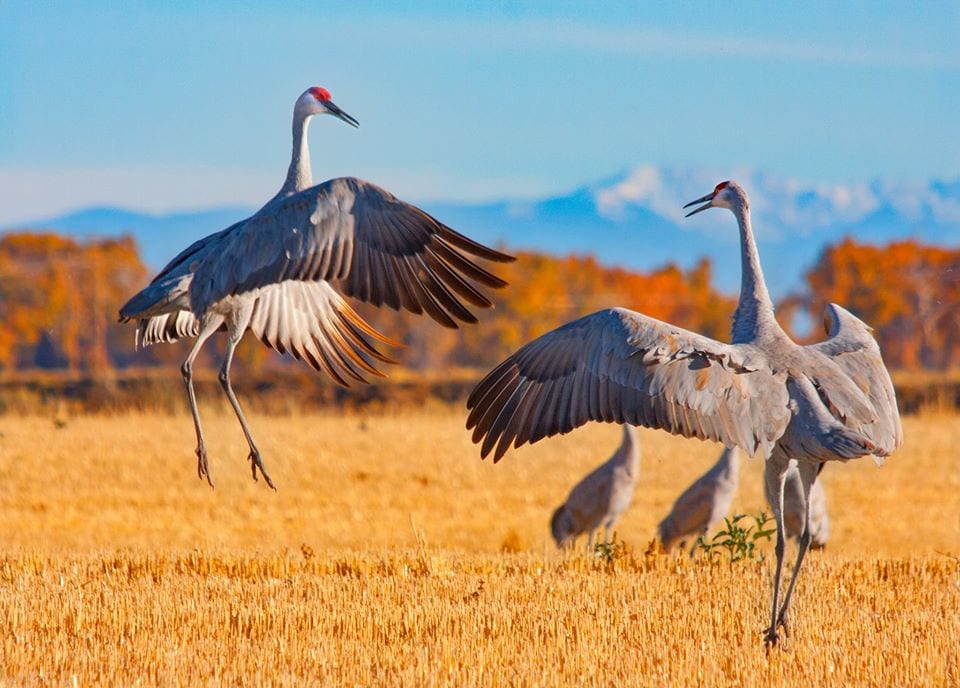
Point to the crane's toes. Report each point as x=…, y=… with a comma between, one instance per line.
x=256, y=464
x=772, y=639
x=203, y=468
x=782, y=623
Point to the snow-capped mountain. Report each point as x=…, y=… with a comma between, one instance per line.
x=634, y=219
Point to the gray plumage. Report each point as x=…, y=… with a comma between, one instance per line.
x=601, y=497
x=705, y=503
x=799, y=405
x=281, y=273
x=794, y=509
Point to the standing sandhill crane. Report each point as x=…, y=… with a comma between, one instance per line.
x=800, y=405
x=601, y=497
x=281, y=273
x=705, y=503
x=794, y=509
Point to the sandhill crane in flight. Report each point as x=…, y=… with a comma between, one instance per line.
x=281, y=273
x=601, y=497
x=705, y=503
x=800, y=405
x=794, y=508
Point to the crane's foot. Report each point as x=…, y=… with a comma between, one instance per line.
x=772, y=639
x=782, y=622
x=256, y=464
x=203, y=468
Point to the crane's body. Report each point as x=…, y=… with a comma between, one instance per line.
x=601, y=497
x=283, y=273
x=800, y=406
x=705, y=503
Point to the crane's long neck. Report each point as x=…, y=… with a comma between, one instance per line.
x=629, y=452
x=299, y=176
x=754, y=316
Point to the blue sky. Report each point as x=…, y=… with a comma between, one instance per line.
x=161, y=106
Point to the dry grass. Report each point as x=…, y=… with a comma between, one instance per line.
x=391, y=554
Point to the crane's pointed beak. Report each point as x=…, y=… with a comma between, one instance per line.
x=707, y=200
x=340, y=114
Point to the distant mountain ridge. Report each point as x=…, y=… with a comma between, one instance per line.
x=634, y=219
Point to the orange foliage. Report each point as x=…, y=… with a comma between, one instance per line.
x=545, y=292
x=908, y=292
x=58, y=300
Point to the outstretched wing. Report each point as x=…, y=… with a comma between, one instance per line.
x=620, y=366
x=315, y=324
x=853, y=348
x=358, y=236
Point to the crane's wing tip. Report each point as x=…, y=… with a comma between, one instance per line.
x=504, y=258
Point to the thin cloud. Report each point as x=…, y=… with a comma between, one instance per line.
x=566, y=35
x=35, y=193
x=640, y=41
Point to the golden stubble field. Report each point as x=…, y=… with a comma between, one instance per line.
x=391, y=555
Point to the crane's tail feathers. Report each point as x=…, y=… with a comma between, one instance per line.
x=849, y=444
x=165, y=296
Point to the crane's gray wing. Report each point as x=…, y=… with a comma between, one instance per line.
x=620, y=366
x=196, y=252
x=853, y=348
x=315, y=324
x=358, y=236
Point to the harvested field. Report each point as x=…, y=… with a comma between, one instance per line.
x=391, y=554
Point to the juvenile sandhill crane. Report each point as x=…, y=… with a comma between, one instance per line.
x=705, y=503
x=794, y=509
x=601, y=497
x=800, y=405
x=281, y=272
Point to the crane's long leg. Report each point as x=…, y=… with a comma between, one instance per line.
x=256, y=462
x=808, y=475
x=778, y=474
x=207, y=328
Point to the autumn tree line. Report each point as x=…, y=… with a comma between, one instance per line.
x=59, y=298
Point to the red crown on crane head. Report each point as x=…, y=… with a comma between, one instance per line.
x=720, y=187
x=320, y=93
